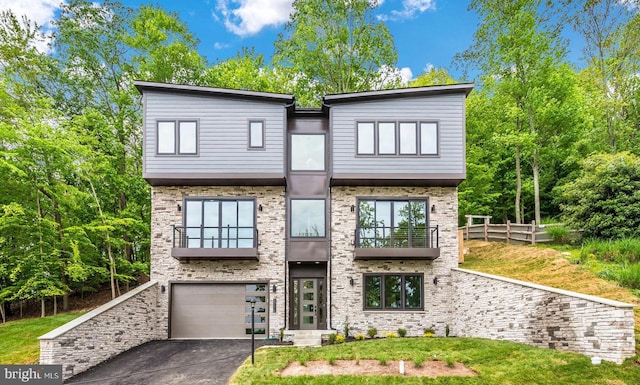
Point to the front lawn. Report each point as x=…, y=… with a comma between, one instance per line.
x=495, y=362
x=19, y=342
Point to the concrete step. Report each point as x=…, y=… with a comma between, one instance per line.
x=304, y=338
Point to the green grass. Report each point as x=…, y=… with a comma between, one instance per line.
x=19, y=342
x=495, y=362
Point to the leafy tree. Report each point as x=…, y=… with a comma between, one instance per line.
x=246, y=71
x=432, y=76
x=605, y=198
x=336, y=47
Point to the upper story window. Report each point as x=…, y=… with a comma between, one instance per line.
x=308, y=218
x=307, y=152
x=392, y=223
x=397, y=138
x=219, y=223
x=177, y=137
x=256, y=134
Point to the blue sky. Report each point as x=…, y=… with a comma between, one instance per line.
x=426, y=32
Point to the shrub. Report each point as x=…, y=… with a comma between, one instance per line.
x=450, y=361
x=559, y=234
x=332, y=339
x=402, y=332
x=340, y=339
x=281, y=334
x=418, y=362
x=372, y=332
x=346, y=329
x=629, y=275
x=621, y=250
x=446, y=330
x=360, y=337
x=383, y=361
x=331, y=359
x=390, y=335
x=429, y=332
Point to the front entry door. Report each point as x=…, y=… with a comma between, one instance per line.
x=308, y=303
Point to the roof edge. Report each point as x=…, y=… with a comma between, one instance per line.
x=143, y=86
x=399, y=93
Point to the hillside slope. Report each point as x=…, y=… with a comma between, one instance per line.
x=544, y=266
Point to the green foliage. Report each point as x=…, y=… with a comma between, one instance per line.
x=627, y=274
x=335, y=47
x=340, y=339
x=402, y=332
x=345, y=329
x=372, y=332
x=331, y=340
x=360, y=337
x=560, y=234
x=604, y=200
x=626, y=250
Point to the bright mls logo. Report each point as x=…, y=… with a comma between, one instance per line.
x=31, y=374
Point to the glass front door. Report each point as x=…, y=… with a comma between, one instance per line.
x=308, y=309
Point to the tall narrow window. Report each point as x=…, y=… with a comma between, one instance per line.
x=256, y=134
x=429, y=138
x=386, y=138
x=166, y=137
x=408, y=138
x=307, y=152
x=307, y=218
x=366, y=138
x=188, y=137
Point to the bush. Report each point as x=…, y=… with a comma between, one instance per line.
x=372, y=332
x=429, y=332
x=390, y=335
x=360, y=337
x=402, y=332
x=603, y=199
x=559, y=234
x=346, y=329
x=340, y=339
x=332, y=339
x=626, y=250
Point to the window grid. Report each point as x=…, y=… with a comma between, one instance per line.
x=177, y=137
x=408, y=138
x=219, y=223
x=393, y=292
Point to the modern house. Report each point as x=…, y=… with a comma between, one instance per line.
x=345, y=215
x=341, y=214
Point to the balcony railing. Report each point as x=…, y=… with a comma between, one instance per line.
x=385, y=242
x=227, y=242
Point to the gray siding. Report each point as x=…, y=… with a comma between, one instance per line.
x=447, y=110
x=223, y=134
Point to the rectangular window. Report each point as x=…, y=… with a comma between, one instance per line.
x=177, y=137
x=258, y=294
x=166, y=137
x=393, y=291
x=307, y=152
x=256, y=134
x=307, y=218
x=187, y=137
x=366, y=138
x=392, y=224
x=386, y=138
x=428, y=138
x=404, y=138
x=408, y=139
x=216, y=223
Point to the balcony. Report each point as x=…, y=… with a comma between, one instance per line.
x=215, y=243
x=386, y=243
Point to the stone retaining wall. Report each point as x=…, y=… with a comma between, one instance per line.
x=498, y=308
x=118, y=325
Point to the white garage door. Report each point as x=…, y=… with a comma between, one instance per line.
x=220, y=310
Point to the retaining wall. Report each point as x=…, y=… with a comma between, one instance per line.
x=499, y=308
x=125, y=322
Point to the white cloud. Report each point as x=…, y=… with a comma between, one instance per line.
x=410, y=8
x=40, y=12
x=219, y=45
x=248, y=17
x=406, y=74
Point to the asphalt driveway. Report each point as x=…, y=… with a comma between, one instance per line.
x=170, y=362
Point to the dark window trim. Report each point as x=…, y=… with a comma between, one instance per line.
x=297, y=237
x=390, y=199
x=397, y=154
x=264, y=134
x=382, y=292
x=324, y=153
x=187, y=198
x=176, y=137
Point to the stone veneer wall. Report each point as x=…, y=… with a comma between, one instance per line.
x=347, y=301
x=104, y=332
x=270, y=267
x=498, y=308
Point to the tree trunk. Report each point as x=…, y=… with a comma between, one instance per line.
x=518, y=185
x=536, y=184
x=4, y=318
x=42, y=308
x=55, y=305
x=112, y=262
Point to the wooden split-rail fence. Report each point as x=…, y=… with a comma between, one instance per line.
x=514, y=233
